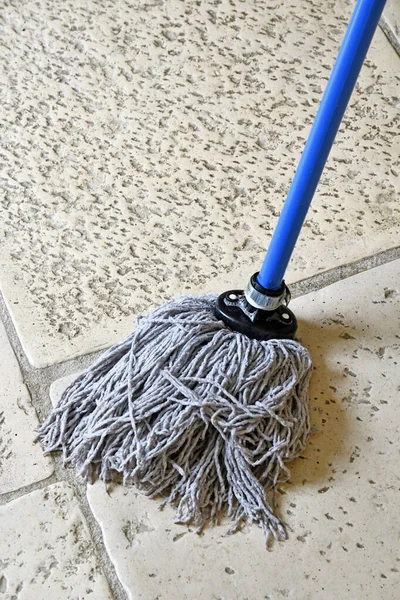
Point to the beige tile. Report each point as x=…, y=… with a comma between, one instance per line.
x=46, y=551
x=342, y=499
x=148, y=151
x=21, y=462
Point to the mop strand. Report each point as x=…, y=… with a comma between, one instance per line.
x=187, y=409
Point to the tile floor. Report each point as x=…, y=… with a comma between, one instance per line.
x=141, y=141
x=136, y=139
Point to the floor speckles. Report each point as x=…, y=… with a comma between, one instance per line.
x=148, y=150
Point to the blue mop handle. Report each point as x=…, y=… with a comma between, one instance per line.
x=344, y=75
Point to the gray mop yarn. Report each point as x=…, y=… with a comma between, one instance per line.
x=188, y=409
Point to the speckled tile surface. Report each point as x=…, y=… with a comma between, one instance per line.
x=342, y=499
x=21, y=463
x=45, y=549
x=147, y=148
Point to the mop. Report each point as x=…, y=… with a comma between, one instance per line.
x=206, y=401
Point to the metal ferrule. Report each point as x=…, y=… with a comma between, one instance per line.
x=264, y=301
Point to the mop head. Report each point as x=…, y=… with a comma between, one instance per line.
x=187, y=409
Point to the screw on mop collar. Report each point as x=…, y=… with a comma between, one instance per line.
x=259, y=313
x=260, y=297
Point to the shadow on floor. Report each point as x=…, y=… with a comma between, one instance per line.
x=329, y=423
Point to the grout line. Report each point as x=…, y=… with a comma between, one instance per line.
x=317, y=282
x=38, y=383
x=79, y=486
x=67, y=475
x=390, y=33
x=7, y=497
x=38, y=380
